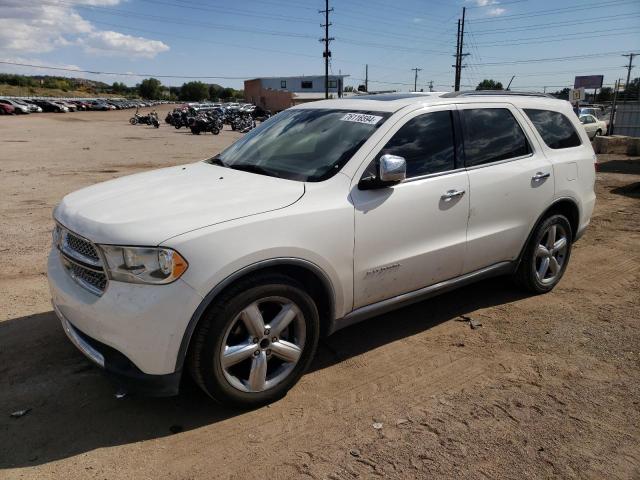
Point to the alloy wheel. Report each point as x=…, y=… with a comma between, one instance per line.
x=263, y=344
x=551, y=254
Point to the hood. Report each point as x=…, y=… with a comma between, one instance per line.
x=149, y=208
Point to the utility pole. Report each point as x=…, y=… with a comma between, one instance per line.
x=455, y=76
x=629, y=67
x=415, y=81
x=459, y=49
x=612, y=117
x=366, y=78
x=327, y=53
x=431, y=85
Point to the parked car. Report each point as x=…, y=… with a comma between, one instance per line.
x=7, y=109
x=597, y=112
x=98, y=105
x=17, y=107
x=593, y=126
x=71, y=107
x=327, y=214
x=32, y=107
x=50, y=106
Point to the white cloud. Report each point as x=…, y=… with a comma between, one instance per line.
x=494, y=12
x=417, y=20
x=113, y=43
x=30, y=26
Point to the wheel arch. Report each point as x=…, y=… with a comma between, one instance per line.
x=564, y=206
x=316, y=281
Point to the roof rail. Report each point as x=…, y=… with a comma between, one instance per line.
x=480, y=93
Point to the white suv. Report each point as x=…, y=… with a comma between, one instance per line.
x=327, y=214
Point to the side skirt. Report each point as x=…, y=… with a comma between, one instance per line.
x=405, y=299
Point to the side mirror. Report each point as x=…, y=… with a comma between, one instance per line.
x=390, y=170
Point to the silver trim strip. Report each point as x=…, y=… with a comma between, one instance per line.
x=64, y=247
x=499, y=162
x=409, y=298
x=89, y=352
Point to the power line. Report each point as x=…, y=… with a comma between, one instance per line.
x=123, y=74
x=555, y=11
x=560, y=38
x=553, y=59
x=541, y=26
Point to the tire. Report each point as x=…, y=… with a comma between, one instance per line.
x=133, y=120
x=215, y=130
x=177, y=126
x=536, y=272
x=240, y=384
x=598, y=133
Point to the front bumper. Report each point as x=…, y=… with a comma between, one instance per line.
x=118, y=367
x=143, y=324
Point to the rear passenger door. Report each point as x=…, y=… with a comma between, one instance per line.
x=510, y=182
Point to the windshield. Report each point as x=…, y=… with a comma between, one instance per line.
x=305, y=145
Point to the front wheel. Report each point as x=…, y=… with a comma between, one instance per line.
x=598, y=133
x=133, y=120
x=255, y=342
x=546, y=256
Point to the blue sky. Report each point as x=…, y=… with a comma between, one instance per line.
x=250, y=38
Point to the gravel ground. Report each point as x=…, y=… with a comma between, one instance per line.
x=549, y=386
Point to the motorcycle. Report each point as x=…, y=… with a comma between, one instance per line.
x=150, y=119
x=206, y=122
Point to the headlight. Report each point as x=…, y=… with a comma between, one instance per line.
x=143, y=264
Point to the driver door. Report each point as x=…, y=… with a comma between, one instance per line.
x=412, y=234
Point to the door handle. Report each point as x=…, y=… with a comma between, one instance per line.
x=452, y=194
x=540, y=176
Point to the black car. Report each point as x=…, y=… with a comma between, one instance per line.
x=48, y=106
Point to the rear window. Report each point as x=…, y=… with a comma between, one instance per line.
x=555, y=129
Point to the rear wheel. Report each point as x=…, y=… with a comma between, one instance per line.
x=546, y=257
x=255, y=342
x=598, y=132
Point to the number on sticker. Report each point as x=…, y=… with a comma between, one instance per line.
x=361, y=118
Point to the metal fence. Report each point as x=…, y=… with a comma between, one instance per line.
x=627, y=120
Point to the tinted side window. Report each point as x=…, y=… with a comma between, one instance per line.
x=555, y=129
x=492, y=134
x=426, y=143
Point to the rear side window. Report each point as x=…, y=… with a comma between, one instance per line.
x=426, y=143
x=555, y=129
x=491, y=135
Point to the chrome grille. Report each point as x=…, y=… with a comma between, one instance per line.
x=81, y=246
x=81, y=260
x=93, y=281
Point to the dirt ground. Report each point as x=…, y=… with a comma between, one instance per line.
x=549, y=386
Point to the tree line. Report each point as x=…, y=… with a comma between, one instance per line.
x=149, y=88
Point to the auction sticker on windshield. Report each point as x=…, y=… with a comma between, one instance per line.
x=361, y=118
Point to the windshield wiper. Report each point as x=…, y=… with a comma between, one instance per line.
x=249, y=167
x=217, y=161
